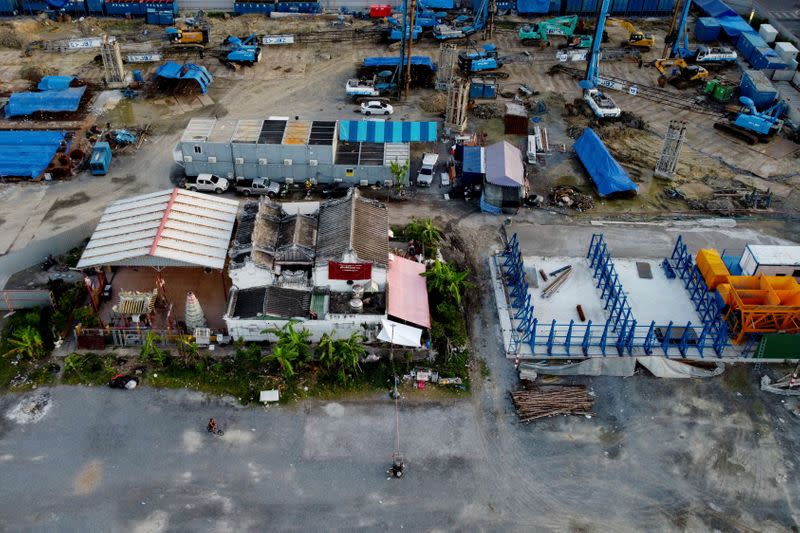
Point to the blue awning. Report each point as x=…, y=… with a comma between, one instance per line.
x=27, y=153
x=22, y=104
x=55, y=83
x=609, y=178
x=375, y=131
x=394, y=61
x=175, y=71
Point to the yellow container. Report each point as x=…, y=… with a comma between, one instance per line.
x=712, y=268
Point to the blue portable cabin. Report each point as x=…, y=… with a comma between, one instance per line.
x=100, y=160
x=707, y=29
x=756, y=86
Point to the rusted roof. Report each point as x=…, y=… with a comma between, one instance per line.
x=353, y=223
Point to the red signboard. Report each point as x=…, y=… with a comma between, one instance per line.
x=354, y=271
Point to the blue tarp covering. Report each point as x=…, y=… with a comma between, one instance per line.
x=394, y=61
x=55, y=83
x=438, y=4
x=175, y=71
x=21, y=104
x=374, y=131
x=533, y=6
x=607, y=175
x=473, y=168
x=27, y=153
x=732, y=24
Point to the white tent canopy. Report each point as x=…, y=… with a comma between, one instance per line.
x=400, y=334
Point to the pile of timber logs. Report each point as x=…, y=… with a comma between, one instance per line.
x=543, y=401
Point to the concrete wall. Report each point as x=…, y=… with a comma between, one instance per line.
x=343, y=325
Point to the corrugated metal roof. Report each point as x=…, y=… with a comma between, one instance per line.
x=396, y=152
x=297, y=133
x=223, y=131
x=198, y=129
x=174, y=227
x=247, y=131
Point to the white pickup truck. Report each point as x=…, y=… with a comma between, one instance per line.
x=206, y=182
x=425, y=176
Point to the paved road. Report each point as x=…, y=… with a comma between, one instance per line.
x=783, y=14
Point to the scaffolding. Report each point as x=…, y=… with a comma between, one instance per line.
x=761, y=304
x=620, y=334
x=112, y=62
x=671, y=150
x=455, y=118
x=448, y=56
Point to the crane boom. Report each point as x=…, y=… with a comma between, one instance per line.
x=680, y=44
x=592, y=62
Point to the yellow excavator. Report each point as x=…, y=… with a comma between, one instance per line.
x=679, y=73
x=636, y=39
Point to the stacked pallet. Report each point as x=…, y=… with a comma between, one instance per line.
x=544, y=401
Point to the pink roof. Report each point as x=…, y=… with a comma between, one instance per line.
x=408, y=292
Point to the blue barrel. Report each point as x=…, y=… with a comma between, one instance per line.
x=137, y=76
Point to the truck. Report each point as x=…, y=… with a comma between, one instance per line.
x=425, y=176
x=257, y=186
x=206, y=182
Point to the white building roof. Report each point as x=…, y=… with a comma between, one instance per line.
x=775, y=254
x=174, y=227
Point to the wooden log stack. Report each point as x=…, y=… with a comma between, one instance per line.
x=544, y=401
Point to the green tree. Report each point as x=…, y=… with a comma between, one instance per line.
x=399, y=173
x=26, y=344
x=150, y=351
x=298, y=340
x=341, y=355
x=286, y=358
x=326, y=350
x=425, y=232
x=188, y=349
x=447, y=282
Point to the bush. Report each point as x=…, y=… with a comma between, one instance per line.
x=86, y=316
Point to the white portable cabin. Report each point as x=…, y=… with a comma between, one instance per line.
x=771, y=260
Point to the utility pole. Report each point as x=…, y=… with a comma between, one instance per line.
x=400, y=72
x=410, y=41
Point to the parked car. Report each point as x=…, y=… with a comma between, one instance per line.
x=206, y=182
x=425, y=176
x=376, y=107
x=247, y=186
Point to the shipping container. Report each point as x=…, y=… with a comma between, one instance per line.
x=748, y=43
x=483, y=88
x=771, y=260
x=757, y=87
x=766, y=58
x=707, y=29
x=787, y=51
x=767, y=32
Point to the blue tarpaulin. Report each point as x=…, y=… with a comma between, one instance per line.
x=374, y=131
x=55, y=83
x=175, y=71
x=395, y=61
x=533, y=6
x=27, y=153
x=609, y=178
x=473, y=169
x=22, y=104
x=732, y=24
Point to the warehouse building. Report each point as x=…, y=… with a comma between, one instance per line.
x=291, y=151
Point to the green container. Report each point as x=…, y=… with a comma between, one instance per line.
x=718, y=91
x=778, y=346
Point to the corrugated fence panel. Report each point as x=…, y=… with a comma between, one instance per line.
x=205, y=5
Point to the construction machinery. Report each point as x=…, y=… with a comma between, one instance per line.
x=539, y=33
x=753, y=126
x=679, y=73
x=719, y=91
x=462, y=27
x=241, y=51
x=382, y=84
x=483, y=61
x=187, y=38
x=602, y=105
x=676, y=44
x=394, y=32
x=636, y=39
x=100, y=159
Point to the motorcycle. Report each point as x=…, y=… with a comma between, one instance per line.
x=48, y=262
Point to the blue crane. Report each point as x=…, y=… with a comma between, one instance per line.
x=601, y=105
x=752, y=125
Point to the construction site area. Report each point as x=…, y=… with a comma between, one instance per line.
x=518, y=201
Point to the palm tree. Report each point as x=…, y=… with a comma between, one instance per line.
x=350, y=352
x=447, y=281
x=150, y=350
x=285, y=357
x=326, y=350
x=188, y=349
x=399, y=173
x=425, y=232
x=27, y=344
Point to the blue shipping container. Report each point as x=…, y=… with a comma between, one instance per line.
x=707, y=29
x=756, y=86
x=478, y=89
x=748, y=43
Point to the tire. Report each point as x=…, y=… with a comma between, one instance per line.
x=220, y=433
x=193, y=189
x=246, y=192
x=218, y=190
x=368, y=113
x=387, y=113
x=398, y=473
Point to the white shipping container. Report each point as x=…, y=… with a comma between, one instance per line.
x=787, y=51
x=768, y=33
x=771, y=260
x=782, y=75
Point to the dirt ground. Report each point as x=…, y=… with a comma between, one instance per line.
x=307, y=81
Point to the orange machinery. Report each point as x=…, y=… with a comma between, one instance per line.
x=756, y=304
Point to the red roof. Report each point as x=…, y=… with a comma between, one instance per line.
x=408, y=292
